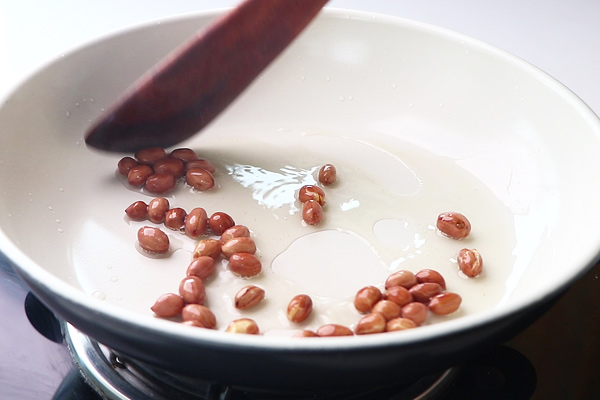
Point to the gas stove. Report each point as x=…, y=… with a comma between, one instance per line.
x=45, y=358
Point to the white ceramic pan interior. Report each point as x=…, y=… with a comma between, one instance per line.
x=417, y=120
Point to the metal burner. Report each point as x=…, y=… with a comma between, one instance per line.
x=116, y=377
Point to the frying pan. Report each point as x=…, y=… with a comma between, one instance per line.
x=418, y=120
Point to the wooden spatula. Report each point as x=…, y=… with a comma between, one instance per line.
x=191, y=86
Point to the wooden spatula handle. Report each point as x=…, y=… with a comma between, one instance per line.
x=193, y=84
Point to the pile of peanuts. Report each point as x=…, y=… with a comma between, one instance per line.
x=194, y=224
x=408, y=297
x=158, y=172
x=405, y=303
x=233, y=243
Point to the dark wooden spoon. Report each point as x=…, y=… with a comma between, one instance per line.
x=191, y=86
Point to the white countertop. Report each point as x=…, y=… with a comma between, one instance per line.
x=560, y=37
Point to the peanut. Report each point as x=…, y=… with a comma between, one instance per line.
x=400, y=324
x=244, y=264
x=238, y=245
x=454, y=225
x=327, y=175
x=399, y=295
x=175, y=219
x=138, y=174
x=125, y=164
x=219, y=222
x=184, y=154
x=157, y=209
x=445, y=303
x=160, y=183
x=402, y=278
x=169, y=165
x=153, y=240
x=370, y=323
x=417, y=312
x=328, y=330
x=470, y=262
x=423, y=292
x=196, y=222
x=430, y=275
x=192, y=290
x=235, y=231
x=203, y=267
x=150, y=155
x=299, y=308
x=311, y=192
x=168, y=305
x=243, y=325
x=207, y=247
x=388, y=309
x=312, y=212
x=248, y=297
x=199, y=313
x=200, y=179
x=366, y=298
x=137, y=211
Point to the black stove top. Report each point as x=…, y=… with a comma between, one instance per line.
x=558, y=357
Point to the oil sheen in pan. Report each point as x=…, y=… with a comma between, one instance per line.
x=379, y=217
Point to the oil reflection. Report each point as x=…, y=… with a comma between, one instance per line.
x=273, y=189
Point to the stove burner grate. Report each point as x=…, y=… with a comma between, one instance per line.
x=115, y=377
